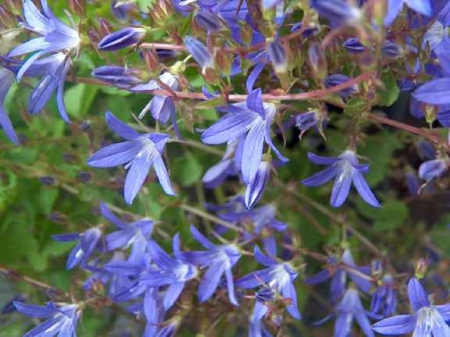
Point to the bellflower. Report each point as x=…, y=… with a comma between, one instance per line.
x=435, y=92
x=55, y=35
x=348, y=310
x=161, y=107
x=426, y=321
x=346, y=170
x=353, y=45
x=117, y=75
x=7, y=79
x=255, y=188
x=251, y=119
x=278, y=276
x=62, y=319
x=88, y=242
x=433, y=168
x=199, y=52
x=394, y=7
x=209, y=21
x=219, y=259
x=337, y=79
x=125, y=37
x=227, y=166
x=384, y=299
x=139, y=152
x=277, y=55
x=337, y=12
x=172, y=271
x=338, y=272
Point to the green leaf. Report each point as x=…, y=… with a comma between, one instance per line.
x=389, y=94
x=354, y=106
x=190, y=170
x=79, y=98
x=145, y=5
x=390, y=216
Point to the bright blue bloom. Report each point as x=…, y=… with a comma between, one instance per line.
x=433, y=168
x=125, y=37
x=139, y=152
x=133, y=234
x=227, y=166
x=251, y=119
x=384, y=299
x=62, y=319
x=255, y=189
x=199, y=52
x=88, y=241
x=173, y=272
x=209, y=21
x=435, y=92
x=426, y=321
x=55, y=35
x=219, y=259
x=338, y=272
x=161, y=107
x=395, y=6
x=349, y=309
x=277, y=276
x=337, y=12
x=346, y=170
x=7, y=79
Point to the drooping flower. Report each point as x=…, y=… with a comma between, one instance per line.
x=173, y=272
x=7, y=79
x=125, y=37
x=199, y=52
x=426, y=321
x=434, y=168
x=227, y=166
x=338, y=271
x=394, y=7
x=353, y=45
x=55, y=35
x=384, y=299
x=349, y=309
x=278, y=276
x=251, y=119
x=209, y=21
x=346, y=170
x=62, y=319
x=88, y=242
x=219, y=259
x=139, y=152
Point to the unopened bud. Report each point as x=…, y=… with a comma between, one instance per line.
x=77, y=6
x=105, y=27
x=151, y=60
x=317, y=60
x=278, y=57
x=199, y=52
x=247, y=34
x=209, y=21
x=125, y=37
x=421, y=269
x=224, y=60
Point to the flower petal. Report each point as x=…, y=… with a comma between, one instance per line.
x=364, y=190
x=418, y=298
x=396, y=325
x=115, y=154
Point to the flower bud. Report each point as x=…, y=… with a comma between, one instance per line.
x=392, y=51
x=151, y=59
x=353, y=45
x=199, y=52
x=125, y=37
x=7, y=19
x=47, y=180
x=317, y=60
x=224, y=60
x=116, y=75
x=77, y=6
x=309, y=31
x=208, y=21
x=246, y=34
x=105, y=27
x=421, y=268
x=277, y=55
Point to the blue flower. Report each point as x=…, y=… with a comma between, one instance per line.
x=277, y=55
x=336, y=79
x=199, y=52
x=338, y=272
x=278, y=276
x=209, y=21
x=426, y=321
x=353, y=45
x=62, y=319
x=227, y=166
x=125, y=37
x=433, y=168
x=88, y=241
x=7, y=79
x=255, y=188
x=435, y=92
x=346, y=170
x=384, y=299
x=173, y=272
x=251, y=119
x=338, y=12
x=305, y=121
x=219, y=259
x=394, y=8
x=139, y=152
x=349, y=309
x=161, y=107
x=55, y=35
x=117, y=75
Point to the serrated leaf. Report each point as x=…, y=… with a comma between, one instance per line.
x=187, y=170
x=389, y=94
